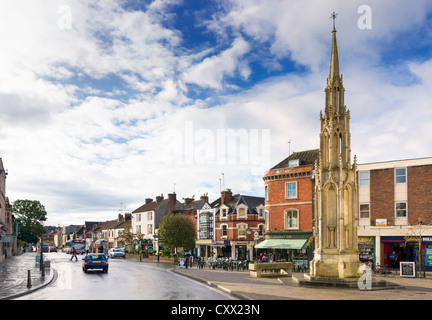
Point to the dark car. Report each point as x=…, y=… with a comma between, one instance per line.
x=95, y=261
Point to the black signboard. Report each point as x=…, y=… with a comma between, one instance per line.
x=407, y=269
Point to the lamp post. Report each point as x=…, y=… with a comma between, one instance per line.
x=156, y=237
x=248, y=232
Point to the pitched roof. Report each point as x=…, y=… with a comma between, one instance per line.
x=151, y=206
x=306, y=157
x=250, y=201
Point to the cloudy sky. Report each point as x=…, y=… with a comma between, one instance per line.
x=106, y=103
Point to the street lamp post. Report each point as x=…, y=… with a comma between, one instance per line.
x=156, y=237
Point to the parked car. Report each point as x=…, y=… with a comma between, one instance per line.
x=116, y=253
x=52, y=249
x=95, y=261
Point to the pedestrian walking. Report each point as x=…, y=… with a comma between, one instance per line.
x=74, y=255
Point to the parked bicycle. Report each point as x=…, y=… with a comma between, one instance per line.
x=384, y=271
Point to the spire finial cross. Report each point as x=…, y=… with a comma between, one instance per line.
x=333, y=16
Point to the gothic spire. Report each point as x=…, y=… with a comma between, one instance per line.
x=334, y=62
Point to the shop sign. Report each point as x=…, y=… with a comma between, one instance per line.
x=407, y=269
x=429, y=256
x=7, y=239
x=381, y=222
x=412, y=238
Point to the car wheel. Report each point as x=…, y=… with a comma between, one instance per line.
x=105, y=270
x=85, y=270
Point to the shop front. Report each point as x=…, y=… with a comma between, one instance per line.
x=287, y=246
x=407, y=249
x=366, y=246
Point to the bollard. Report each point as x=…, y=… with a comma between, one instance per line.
x=28, y=279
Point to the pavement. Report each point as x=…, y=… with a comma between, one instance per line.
x=14, y=276
x=239, y=284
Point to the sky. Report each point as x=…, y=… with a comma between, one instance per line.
x=106, y=103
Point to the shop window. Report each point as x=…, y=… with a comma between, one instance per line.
x=401, y=210
x=291, y=219
x=364, y=211
x=400, y=175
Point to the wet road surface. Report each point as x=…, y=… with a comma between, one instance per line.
x=125, y=280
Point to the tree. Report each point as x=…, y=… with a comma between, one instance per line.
x=30, y=213
x=126, y=235
x=176, y=230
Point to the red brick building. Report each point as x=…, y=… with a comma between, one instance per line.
x=395, y=203
x=239, y=219
x=289, y=188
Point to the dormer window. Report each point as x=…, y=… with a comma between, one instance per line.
x=242, y=211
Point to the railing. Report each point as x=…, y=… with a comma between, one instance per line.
x=223, y=264
x=300, y=266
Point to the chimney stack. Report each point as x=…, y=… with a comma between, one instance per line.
x=226, y=196
x=188, y=200
x=148, y=200
x=159, y=198
x=172, y=199
x=204, y=197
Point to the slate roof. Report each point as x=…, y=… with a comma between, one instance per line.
x=250, y=201
x=307, y=157
x=151, y=206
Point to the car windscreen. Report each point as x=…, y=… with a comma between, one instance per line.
x=96, y=257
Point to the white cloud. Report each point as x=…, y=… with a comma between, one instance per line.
x=212, y=70
x=82, y=150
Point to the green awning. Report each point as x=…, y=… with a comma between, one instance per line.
x=282, y=244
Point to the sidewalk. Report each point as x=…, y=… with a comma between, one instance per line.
x=242, y=286
x=14, y=274
x=13, y=283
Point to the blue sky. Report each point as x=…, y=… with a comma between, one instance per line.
x=112, y=102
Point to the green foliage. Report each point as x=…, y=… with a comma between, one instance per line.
x=176, y=231
x=30, y=213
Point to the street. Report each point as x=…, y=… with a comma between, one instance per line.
x=125, y=280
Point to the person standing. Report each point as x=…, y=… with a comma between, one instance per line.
x=393, y=259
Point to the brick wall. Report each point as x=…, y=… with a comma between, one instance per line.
x=382, y=195
x=277, y=204
x=420, y=194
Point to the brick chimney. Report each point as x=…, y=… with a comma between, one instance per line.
x=226, y=196
x=159, y=198
x=188, y=200
x=120, y=217
x=148, y=200
x=172, y=199
x=204, y=197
